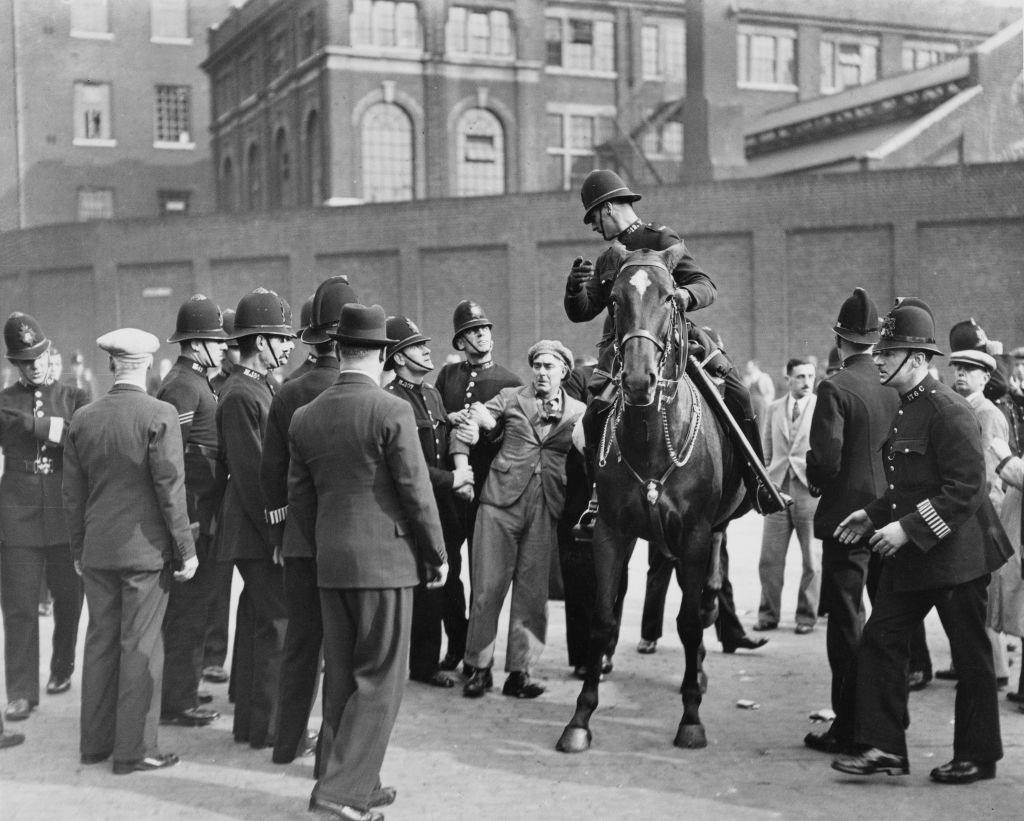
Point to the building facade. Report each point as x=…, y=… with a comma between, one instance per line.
x=347, y=101
x=106, y=111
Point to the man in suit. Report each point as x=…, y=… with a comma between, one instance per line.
x=786, y=430
x=34, y=413
x=124, y=498
x=849, y=424
x=359, y=491
x=940, y=540
x=303, y=637
x=519, y=509
x=264, y=334
x=200, y=333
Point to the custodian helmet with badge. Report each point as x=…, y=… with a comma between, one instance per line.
x=331, y=296
x=601, y=186
x=24, y=337
x=468, y=314
x=909, y=326
x=858, y=319
x=198, y=318
x=405, y=333
x=263, y=312
x=968, y=346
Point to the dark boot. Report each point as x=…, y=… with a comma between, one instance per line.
x=593, y=422
x=479, y=683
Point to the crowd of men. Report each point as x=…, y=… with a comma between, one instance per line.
x=344, y=507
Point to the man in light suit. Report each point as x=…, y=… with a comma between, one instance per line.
x=124, y=502
x=360, y=493
x=786, y=432
x=519, y=509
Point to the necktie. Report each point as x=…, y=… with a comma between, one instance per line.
x=549, y=410
x=796, y=413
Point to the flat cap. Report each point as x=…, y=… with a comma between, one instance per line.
x=553, y=347
x=129, y=342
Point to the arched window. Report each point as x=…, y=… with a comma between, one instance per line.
x=254, y=190
x=281, y=188
x=387, y=154
x=314, y=161
x=480, y=164
x=227, y=184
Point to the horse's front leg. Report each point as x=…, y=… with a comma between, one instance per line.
x=689, y=623
x=610, y=554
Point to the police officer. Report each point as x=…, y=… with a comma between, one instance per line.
x=304, y=635
x=264, y=334
x=200, y=333
x=608, y=209
x=409, y=358
x=34, y=413
x=307, y=364
x=940, y=540
x=477, y=379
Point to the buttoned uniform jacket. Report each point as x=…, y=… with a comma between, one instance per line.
x=242, y=411
x=461, y=384
x=187, y=388
x=124, y=483
x=595, y=295
x=526, y=452
x=848, y=427
x=293, y=394
x=433, y=430
x=304, y=367
x=785, y=447
x=359, y=490
x=935, y=467
x=31, y=509
x=993, y=426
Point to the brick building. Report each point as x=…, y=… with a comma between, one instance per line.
x=104, y=111
x=347, y=101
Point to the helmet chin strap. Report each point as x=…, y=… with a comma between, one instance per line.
x=900, y=368
x=417, y=362
x=273, y=353
x=476, y=350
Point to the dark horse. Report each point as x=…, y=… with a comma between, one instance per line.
x=667, y=472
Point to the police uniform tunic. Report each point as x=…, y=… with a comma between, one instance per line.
x=245, y=539
x=33, y=427
x=187, y=388
x=428, y=605
x=935, y=469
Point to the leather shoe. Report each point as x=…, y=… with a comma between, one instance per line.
x=479, y=683
x=963, y=772
x=450, y=662
x=745, y=643
x=10, y=740
x=870, y=762
x=763, y=626
x=918, y=680
x=382, y=796
x=58, y=685
x=647, y=647
x=192, y=717
x=518, y=685
x=94, y=758
x=150, y=762
x=803, y=629
x=215, y=674
x=318, y=804
x=826, y=743
x=1002, y=681
x=18, y=710
x=947, y=675
x=436, y=679
x=1016, y=698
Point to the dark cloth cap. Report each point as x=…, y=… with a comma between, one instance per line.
x=553, y=347
x=362, y=327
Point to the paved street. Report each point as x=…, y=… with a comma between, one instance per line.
x=494, y=758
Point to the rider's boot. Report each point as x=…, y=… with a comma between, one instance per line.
x=761, y=497
x=593, y=421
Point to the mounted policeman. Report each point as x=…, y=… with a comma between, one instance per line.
x=608, y=210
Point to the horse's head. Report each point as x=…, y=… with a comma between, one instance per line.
x=649, y=328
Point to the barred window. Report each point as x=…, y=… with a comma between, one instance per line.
x=92, y=111
x=173, y=114
x=387, y=154
x=95, y=204
x=168, y=19
x=481, y=158
x=89, y=17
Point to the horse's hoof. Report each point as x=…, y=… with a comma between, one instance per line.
x=574, y=740
x=691, y=737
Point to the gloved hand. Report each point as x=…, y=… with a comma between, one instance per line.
x=17, y=418
x=682, y=298
x=580, y=273
x=187, y=571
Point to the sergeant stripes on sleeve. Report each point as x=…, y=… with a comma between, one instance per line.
x=186, y=418
x=933, y=520
x=278, y=515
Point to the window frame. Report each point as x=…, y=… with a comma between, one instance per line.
x=661, y=26
x=169, y=195
x=367, y=179
x=569, y=153
x=565, y=17
x=919, y=45
x=173, y=145
x=171, y=40
x=458, y=33
x=90, y=34
x=78, y=108
x=837, y=39
x=92, y=189
x=463, y=163
x=363, y=32
x=750, y=30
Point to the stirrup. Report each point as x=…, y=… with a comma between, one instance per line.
x=765, y=502
x=583, y=530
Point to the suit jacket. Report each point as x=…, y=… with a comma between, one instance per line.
x=993, y=426
x=849, y=424
x=359, y=490
x=526, y=451
x=936, y=470
x=785, y=445
x=124, y=483
x=33, y=429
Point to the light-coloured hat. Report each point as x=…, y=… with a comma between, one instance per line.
x=129, y=342
x=553, y=347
